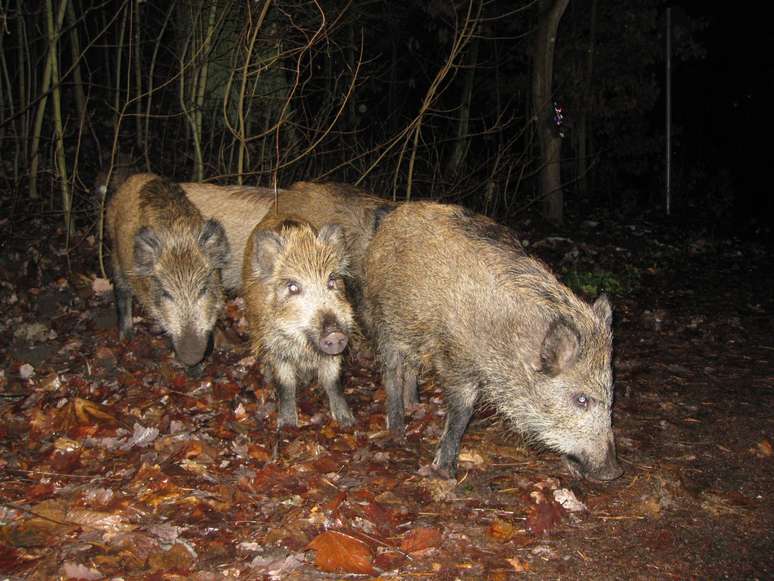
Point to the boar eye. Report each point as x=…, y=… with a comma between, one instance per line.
x=202, y=292
x=581, y=400
x=165, y=295
x=293, y=287
x=332, y=282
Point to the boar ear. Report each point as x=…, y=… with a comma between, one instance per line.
x=603, y=310
x=214, y=243
x=147, y=251
x=331, y=234
x=559, y=349
x=381, y=213
x=267, y=245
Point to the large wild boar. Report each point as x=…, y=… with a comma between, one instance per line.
x=170, y=258
x=297, y=310
x=240, y=209
x=454, y=290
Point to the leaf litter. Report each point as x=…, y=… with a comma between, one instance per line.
x=117, y=464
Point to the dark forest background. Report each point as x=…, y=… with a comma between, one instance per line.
x=408, y=99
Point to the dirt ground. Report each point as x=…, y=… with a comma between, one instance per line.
x=114, y=463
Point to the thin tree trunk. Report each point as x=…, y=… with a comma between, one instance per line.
x=41, y=112
x=137, y=53
x=75, y=55
x=56, y=97
x=462, y=141
x=583, y=129
x=118, y=64
x=550, y=13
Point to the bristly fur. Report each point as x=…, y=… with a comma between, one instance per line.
x=286, y=329
x=457, y=291
x=170, y=258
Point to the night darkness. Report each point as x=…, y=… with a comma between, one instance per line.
x=722, y=105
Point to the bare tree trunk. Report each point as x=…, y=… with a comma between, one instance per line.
x=550, y=13
x=462, y=141
x=136, y=52
x=40, y=114
x=75, y=55
x=56, y=99
x=583, y=127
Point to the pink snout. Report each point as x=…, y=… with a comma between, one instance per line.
x=333, y=343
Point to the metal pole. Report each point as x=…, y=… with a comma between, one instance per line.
x=668, y=110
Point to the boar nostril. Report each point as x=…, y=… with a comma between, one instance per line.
x=333, y=343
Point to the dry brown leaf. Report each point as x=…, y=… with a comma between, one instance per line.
x=338, y=552
x=177, y=557
x=87, y=412
x=501, y=530
x=518, y=565
x=764, y=448
x=101, y=286
x=543, y=516
x=420, y=538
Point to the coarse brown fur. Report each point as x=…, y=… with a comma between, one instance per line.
x=296, y=307
x=240, y=209
x=167, y=255
x=445, y=286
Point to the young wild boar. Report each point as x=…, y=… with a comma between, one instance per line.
x=455, y=290
x=170, y=258
x=297, y=311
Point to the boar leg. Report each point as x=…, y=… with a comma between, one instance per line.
x=285, y=380
x=123, y=297
x=459, y=412
x=410, y=388
x=392, y=377
x=329, y=375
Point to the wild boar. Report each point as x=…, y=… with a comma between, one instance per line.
x=297, y=311
x=456, y=291
x=170, y=258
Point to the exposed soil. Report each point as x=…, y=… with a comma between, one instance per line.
x=115, y=463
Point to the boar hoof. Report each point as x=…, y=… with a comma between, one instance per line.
x=333, y=343
x=344, y=417
x=287, y=420
x=440, y=472
x=195, y=371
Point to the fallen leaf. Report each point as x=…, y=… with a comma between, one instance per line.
x=518, y=565
x=471, y=457
x=543, y=516
x=420, y=539
x=87, y=412
x=568, y=500
x=72, y=570
x=501, y=530
x=338, y=552
x=26, y=371
x=101, y=286
x=764, y=448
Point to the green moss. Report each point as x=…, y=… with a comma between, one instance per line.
x=591, y=283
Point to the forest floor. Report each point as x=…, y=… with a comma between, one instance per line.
x=115, y=463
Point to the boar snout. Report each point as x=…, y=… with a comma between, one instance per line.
x=191, y=347
x=333, y=343
x=333, y=340
x=607, y=469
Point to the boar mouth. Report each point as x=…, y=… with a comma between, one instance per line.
x=191, y=348
x=580, y=468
